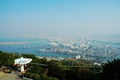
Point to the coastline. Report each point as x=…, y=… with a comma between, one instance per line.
x=6, y=43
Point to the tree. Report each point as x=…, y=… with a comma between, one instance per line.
x=80, y=74
x=32, y=75
x=56, y=69
x=111, y=70
x=49, y=78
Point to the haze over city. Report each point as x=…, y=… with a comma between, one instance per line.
x=59, y=17
x=59, y=39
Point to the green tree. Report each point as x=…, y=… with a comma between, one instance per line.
x=36, y=77
x=56, y=69
x=7, y=58
x=49, y=78
x=111, y=70
x=80, y=74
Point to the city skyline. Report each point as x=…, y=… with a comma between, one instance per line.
x=59, y=17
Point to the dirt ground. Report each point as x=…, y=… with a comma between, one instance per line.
x=11, y=76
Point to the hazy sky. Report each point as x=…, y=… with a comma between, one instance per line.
x=59, y=17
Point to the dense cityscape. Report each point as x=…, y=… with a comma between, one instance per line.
x=59, y=39
x=90, y=49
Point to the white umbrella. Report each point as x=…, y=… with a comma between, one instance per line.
x=22, y=61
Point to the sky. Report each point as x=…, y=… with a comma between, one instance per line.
x=59, y=17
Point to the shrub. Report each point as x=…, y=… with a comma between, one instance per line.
x=49, y=78
x=36, y=76
x=32, y=76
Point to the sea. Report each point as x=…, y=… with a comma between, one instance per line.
x=33, y=45
x=29, y=46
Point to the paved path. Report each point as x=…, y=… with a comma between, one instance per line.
x=7, y=76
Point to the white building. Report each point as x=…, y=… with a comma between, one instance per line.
x=78, y=57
